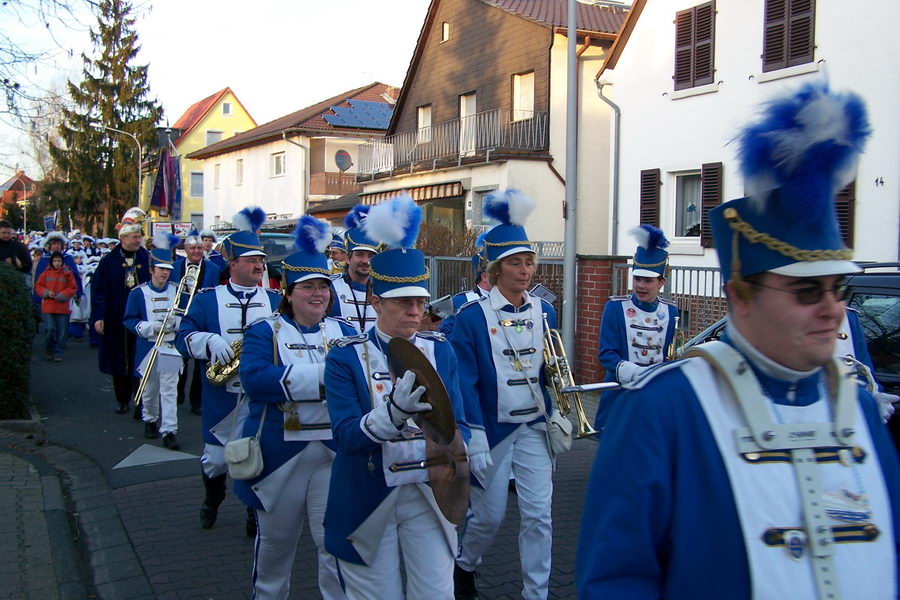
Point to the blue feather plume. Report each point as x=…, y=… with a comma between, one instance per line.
x=650, y=237
x=166, y=241
x=249, y=219
x=510, y=206
x=807, y=144
x=312, y=235
x=394, y=222
x=356, y=216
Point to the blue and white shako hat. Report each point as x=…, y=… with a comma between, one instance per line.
x=245, y=241
x=650, y=258
x=794, y=159
x=337, y=240
x=311, y=238
x=163, y=253
x=356, y=238
x=399, y=271
x=193, y=238
x=512, y=208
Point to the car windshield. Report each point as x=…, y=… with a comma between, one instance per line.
x=879, y=316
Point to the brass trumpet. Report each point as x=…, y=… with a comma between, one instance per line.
x=559, y=374
x=678, y=341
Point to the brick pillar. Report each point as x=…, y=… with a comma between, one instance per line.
x=593, y=288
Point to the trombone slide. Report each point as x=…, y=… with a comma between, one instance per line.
x=588, y=387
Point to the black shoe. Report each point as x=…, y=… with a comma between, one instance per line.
x=121, y=409
x=180, y=400
x=151, y=432
x=170, y=441
x=208, y=515
x=251, y=523
x=215, y=494
x=464, y=584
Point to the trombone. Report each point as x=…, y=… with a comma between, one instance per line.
x=188, y=285
x=562, y=385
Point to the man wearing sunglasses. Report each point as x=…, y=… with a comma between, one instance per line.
x=757, y=467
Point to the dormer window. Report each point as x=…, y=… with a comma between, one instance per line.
x=445, y=31
x=226, y=109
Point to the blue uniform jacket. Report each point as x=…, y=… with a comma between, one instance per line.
x=203, y=315
x=477, y=374
x=458, y=301
x=217, y=259
x=135, y=312
x=261, y=377
x=659, y=517
x=357, y=479
x=209, y=270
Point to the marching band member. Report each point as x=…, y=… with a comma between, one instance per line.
x=353, y=288
x=376, y=514
x=499, y=340
x=118, y=272
x=145, y=312
x=217, y=319
x=209, y=277
x=482, y=287
x=851, y=344
x=209, y=239
x=636, y=331
x=757, y=458
x=285, y=391
x=337, y=255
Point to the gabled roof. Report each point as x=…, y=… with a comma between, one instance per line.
x=311, y=119
x=195, y=113
x=590, y=18
x=612, y=57
x=12, y=182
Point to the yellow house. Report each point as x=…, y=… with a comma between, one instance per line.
x=215, y=118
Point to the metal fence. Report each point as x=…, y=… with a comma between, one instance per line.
x=481, y=133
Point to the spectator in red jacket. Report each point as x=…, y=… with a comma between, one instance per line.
x=56, y=286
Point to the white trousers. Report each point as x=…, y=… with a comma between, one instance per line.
x=414, y=530
x=159, y=398
x=530, y=463
x=213, y=460
x=279, y=529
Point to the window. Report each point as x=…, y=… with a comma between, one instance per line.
x=687, y=205
x=844, y=204
x=197, y=220
x=197, y=184
x=239, y=171
x=423, y=120
x=694, y=46
x=445, y=31
x=789, y=38
x=523, y=96
x=226, y=109
x=276, y=163
x=217, y=171
x=213, y=136
x=879, y=317
x=481, y=218
x=468, y=130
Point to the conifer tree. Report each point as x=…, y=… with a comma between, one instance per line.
x=101, y=166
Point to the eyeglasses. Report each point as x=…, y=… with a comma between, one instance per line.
x=251, y=261
x=813, y=294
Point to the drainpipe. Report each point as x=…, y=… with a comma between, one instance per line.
x=284, y=136
x=569, y=271
x=615, y=173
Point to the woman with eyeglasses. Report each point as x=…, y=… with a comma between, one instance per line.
x=282, y=367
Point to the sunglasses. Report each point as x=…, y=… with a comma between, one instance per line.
x=813, y=294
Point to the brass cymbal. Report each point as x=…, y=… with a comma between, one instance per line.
x=448, y=471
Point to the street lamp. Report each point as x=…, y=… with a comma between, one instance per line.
x=139, y=154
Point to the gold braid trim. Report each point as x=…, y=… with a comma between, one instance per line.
x=643, y=266
x=392, y=279
x=783, y=248
x=307, y=269
x=240, y=245
x=519, y=243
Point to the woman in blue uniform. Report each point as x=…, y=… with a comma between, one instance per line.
x=282, y=367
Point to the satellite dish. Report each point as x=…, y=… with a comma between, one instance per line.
x=343, y=160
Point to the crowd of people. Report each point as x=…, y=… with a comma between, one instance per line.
x=755, y=466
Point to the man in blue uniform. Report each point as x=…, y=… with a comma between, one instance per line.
x=209, y=239
x=482, y=287
x=499, y=341
x=216, y=320
x=352, y=289
x=337, y=254
x=757, y=467
x=119, y=271
x=209, y=277
x=637, y=331
x=379, y=507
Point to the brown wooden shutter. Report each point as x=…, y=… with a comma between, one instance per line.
x=650, y=184
x=694, y=46
x=844, y=205
x=710, y=197
x=801, y=32
x=775, y=35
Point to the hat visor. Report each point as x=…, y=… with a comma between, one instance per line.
x=408, y=291
x=364, y=247
x=163, y=265
x=515, y=250
x=817, y=268
x=309, y=276
x=251, y=253
x=644, y=273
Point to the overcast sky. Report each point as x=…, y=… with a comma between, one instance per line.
x=278, y=56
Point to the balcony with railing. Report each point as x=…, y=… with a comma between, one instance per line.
x=477, y=137
x=332, y=184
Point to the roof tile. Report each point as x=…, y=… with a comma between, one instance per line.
x=590, y=17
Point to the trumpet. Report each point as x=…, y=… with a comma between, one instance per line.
x=559, y=374
x=187, y=286
x=678, y=341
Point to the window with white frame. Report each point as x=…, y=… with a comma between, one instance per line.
x=523, y=96
x=687, y=204
x=423, y=121
x=239, y=171
x=213, y=136
x=482, y=219
x=226, y=109
x=276, y=164
x=445, y=31
x=217, y=172
x=197, y=184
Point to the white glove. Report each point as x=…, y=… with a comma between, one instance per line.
x=480, y=461
x=628, y=371
x=148, y=329
x=170, y=332
x=219, y=350
x=403, y=401
x=886, y=404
